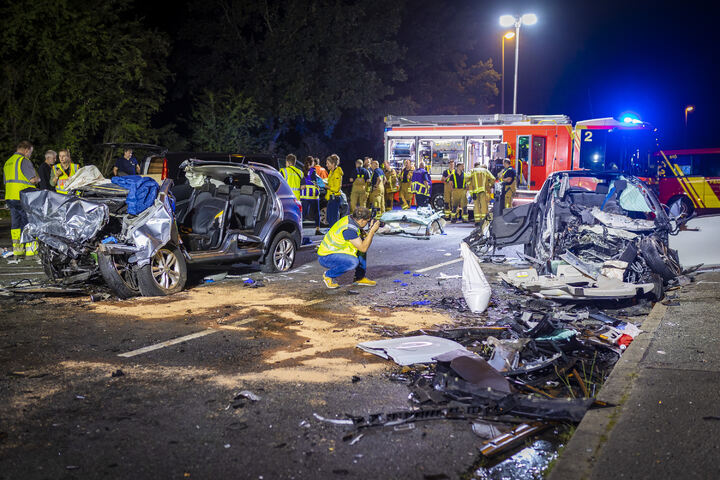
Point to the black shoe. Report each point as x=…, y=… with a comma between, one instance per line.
x=318, y=232
x=477, y=224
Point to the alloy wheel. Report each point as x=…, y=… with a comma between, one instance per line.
x=284, y=254
x=165, y=269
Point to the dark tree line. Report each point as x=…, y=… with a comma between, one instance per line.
x=313, y=76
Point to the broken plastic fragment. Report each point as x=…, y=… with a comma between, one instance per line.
x=411, y=350
x=333, y=421
x=407, y=272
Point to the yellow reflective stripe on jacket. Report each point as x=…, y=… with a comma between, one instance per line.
x=478, y=181
x=15, y=180
x=309, y=192
x=420, y=188
x=334, y=242
x=64, y=176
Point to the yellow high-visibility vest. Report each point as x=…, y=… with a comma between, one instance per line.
x=334, y=242
x=15, y=181
x=63, y=176
x=457, y=181
x=292, y=176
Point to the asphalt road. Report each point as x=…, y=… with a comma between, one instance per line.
x=172, y=411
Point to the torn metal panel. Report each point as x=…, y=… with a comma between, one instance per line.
x=411, y=350
x=622, y=222
x=477, y=371
x=64, y=222
x=512, y=438
x=566, y=286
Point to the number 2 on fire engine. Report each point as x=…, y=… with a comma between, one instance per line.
x=588, y=136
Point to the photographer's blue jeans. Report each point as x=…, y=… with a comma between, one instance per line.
x=333, y=210
x=339, y=263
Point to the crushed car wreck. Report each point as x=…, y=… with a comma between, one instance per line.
x=609, y=228
x=225, y=213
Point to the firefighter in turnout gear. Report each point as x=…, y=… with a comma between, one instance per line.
x=359, y=194
x=62, y=171
x=377, y=194
x=481, y=183
x=19, y=175
x=508, y=177
x=459, y=183
x=392, y=186
x=448, y=190
x=292, y=175
x=406, y=185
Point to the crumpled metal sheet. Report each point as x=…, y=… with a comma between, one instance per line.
x=149, y=231
x=571, y=284
x=622, y=222
x=64, y=222
x=413, y=222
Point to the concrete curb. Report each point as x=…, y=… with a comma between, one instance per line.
x=577, y=459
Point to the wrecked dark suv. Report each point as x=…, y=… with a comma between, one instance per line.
x=601, y=224
x=226, y=213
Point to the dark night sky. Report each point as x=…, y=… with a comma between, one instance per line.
x=590, y=59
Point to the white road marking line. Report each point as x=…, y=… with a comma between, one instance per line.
x=167, y=343
x=24, y=273
x=192, y=336
x=427, y=269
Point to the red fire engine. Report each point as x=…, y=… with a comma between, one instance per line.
x=536, y=145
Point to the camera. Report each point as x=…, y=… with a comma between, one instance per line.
x=373, y=212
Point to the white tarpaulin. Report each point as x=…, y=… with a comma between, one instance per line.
x=85, y=176
x=475, y=286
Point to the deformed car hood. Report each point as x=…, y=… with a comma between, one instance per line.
x=64, y=222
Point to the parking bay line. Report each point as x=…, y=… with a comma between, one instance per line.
x=185, y=338
x=427, y=269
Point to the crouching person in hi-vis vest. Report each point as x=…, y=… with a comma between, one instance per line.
x=345, y=247
x=19, y=175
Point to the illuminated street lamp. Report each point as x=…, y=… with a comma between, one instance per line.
x=507, y=36
x=688, y=109
x=517, y=21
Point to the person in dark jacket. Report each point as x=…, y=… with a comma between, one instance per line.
x=45, y=170
x=421, y=185
x=310, y=194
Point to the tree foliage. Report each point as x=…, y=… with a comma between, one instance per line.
x=76, y=73
x=226, y=122
x=306, y=64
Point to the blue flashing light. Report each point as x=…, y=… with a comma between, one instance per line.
x=630, y=118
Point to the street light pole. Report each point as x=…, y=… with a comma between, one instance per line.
x=517, y=53
x=507, y=36
x=517, y=21
x=688, y=109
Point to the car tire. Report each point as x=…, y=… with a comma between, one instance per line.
x=281, y=254
x=119, y=275
x=663, y=265
x=437, y=202
x=165, y=274
x=683, y=206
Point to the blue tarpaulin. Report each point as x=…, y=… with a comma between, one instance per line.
x=141, y=192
